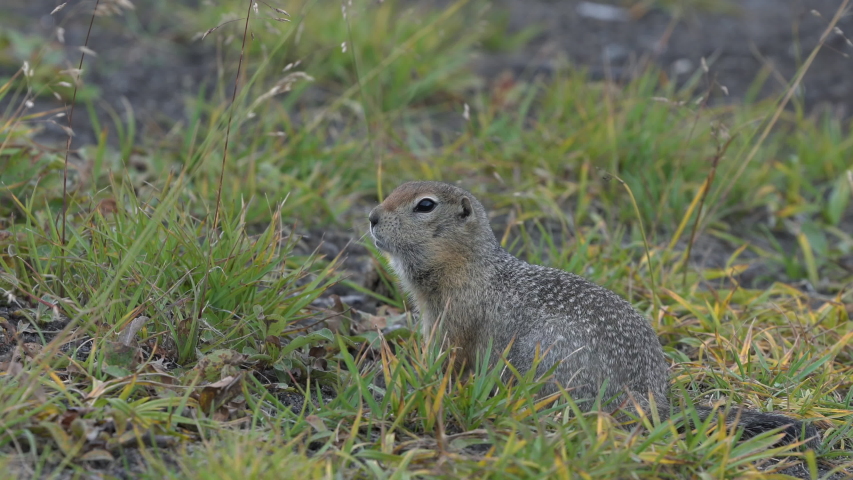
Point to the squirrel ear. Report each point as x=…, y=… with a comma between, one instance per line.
x=466, y=207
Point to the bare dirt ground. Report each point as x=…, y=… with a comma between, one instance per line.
x=749, y=36
x=156, y=65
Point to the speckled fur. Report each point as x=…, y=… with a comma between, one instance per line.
x=456, y=272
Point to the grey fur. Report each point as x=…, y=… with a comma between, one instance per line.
x=450, y=263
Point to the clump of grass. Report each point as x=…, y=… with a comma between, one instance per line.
x=138, y=267
x=129, y=283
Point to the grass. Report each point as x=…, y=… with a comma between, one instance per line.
x=143, y=340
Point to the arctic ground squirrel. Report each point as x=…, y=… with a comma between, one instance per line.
x=448, y=260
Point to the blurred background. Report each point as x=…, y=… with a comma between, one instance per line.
x=150, y=53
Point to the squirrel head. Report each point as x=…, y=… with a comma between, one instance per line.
x=428, y=228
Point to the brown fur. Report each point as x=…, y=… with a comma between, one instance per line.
x=453, y=267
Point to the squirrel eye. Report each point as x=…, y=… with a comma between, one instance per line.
x=426, y=205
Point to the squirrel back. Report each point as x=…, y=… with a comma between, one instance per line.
x=448, y=260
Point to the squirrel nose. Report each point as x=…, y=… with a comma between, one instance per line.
x=374, y=218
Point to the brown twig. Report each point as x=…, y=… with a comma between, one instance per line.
x=225, y=156
x=68, y=149
x=789, y=93
x=231, y=116
x=317, y=322
x=721, y=150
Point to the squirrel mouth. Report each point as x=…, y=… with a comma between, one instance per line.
x=376, y=241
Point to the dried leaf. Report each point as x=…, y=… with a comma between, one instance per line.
x=106, y=207
x=603, y=12
x=98, y=389
x=273, y=340
x=217, y=365
x=68, y=416
x=67, y=130
x=208, y=32
x=128, y=334
x=73, y=72
x=87, y=51
x=316, y=422
x=217, y=394
x=317, y=352
x=31, y=350
x=388, y=310
x=370, y=323
x=11, y=368
x=97, y=455
x=11, y=331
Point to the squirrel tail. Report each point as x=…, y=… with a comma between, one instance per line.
x=754, y=423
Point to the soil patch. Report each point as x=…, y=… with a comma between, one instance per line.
x=153, y=73
x=749, y=36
